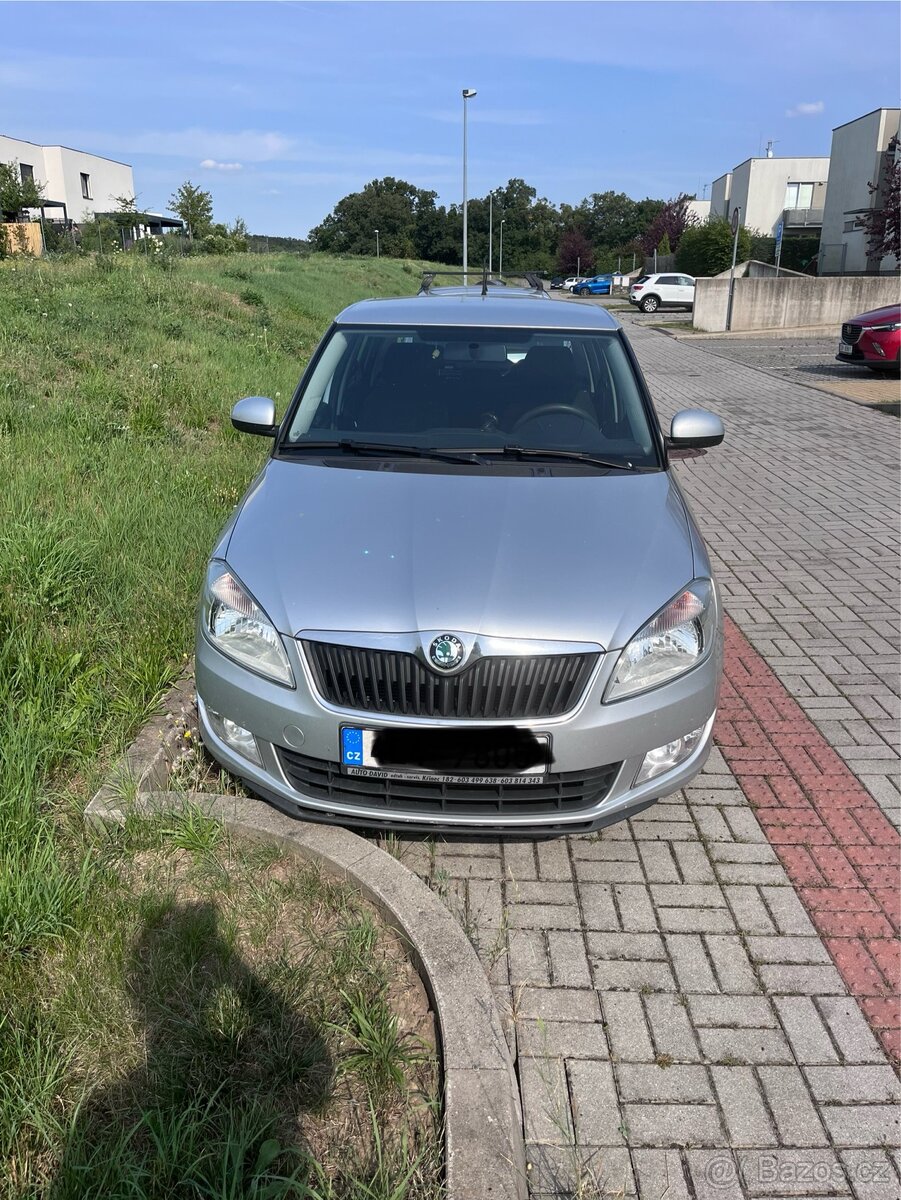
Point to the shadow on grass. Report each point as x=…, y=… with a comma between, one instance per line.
x=215, y=1109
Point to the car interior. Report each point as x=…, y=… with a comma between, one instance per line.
x=533, y=387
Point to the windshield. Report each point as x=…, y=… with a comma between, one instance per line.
x=481, y=389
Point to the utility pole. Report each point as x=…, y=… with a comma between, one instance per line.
x=736, y=225
x=468, y=93
x=490, y=232
x=500, y=266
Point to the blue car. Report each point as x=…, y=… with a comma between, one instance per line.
x=598, y=285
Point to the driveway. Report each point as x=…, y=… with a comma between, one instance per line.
x=810, y=361
x=702, y=1002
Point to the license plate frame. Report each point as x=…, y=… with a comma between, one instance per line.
x=356, y=757
x=844, y=348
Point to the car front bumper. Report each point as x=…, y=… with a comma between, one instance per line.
x=297, y=721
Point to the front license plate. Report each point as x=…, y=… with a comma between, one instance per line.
x=844, y=348
x=501, y=756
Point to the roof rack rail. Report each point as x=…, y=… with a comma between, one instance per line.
x=532, y=278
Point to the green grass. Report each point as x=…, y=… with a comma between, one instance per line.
x=119, y=466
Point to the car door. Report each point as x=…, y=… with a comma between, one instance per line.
x=667, y=288
x=686, y=289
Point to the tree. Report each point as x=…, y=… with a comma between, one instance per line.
x=707, y=249
x=664, y=247
x=612, y=220
x=392, y=206
x=574, y=253
x=882, y=223
x=17, y=194
x=671, y=221
x=195, y=207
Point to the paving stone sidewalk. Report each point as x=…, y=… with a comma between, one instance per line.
x=799, y=508
x=681, y=1028
x=811, y=361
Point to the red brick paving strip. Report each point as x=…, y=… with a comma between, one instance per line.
x=839, y=850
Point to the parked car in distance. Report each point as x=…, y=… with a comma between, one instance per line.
x=465, y=592
x=873, y=339
x=598, y=285
x=556, y=282
x=650, y=292
x=570, y=282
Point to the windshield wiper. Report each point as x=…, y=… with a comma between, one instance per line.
x=350, y=446
x=510, y=451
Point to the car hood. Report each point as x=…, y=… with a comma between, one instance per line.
x=891, y=312
x=585, y=558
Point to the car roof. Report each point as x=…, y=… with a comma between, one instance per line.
x=517, y=308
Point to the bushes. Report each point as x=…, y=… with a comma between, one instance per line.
x=707, y=249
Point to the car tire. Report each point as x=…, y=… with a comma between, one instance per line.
x=649, y=304
x=584, y=292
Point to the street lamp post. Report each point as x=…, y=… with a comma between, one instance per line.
x=500, y=265
x=377, y=254
x=490, y=232
x=468, y=94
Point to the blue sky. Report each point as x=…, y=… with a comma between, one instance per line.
x=281, y=109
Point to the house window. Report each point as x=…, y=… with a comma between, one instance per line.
x=26, y=172
x=799, y=195
x=86, y=186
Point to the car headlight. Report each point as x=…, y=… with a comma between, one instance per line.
x=679, y=637
x=889, y=328
x=236, y=625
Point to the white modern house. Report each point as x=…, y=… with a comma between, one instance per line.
x=78, y=185
x=861, y=155
x=75, y=182
x=699, y=209
x=769, y=190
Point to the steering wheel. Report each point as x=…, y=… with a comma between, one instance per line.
x=546, y=410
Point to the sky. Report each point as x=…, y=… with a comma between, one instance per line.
x=281, y=109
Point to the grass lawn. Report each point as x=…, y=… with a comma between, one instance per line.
x=148, y=979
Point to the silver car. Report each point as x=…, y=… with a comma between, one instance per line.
x=465, y=592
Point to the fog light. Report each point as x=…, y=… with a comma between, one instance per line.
x=665, y=758
x=235, y=736
x=878, y=349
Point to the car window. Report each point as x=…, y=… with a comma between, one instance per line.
x=475, y=387
x=686, y=281
x=642, y=278
x=671, y=280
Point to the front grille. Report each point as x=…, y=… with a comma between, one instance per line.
x=570, y=792
x=390, y=681
x=851, y=334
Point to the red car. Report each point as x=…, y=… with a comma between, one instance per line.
x=873, y=339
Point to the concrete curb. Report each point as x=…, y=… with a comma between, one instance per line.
x=485, y=1149
x=802, y=331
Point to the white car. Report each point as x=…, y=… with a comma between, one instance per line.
x=570, y=283
x=650, y=292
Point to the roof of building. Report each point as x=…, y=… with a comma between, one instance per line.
x=863, y=116
x=59, y=146
x=500, y=308
x=782, y=158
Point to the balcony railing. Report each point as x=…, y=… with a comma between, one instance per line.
x=794, y=217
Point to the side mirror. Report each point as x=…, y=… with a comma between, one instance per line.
x=255, y=414
x=693, y=428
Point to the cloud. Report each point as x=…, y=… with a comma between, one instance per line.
x=210, y=164
x=808, y=109
x=224, y=147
